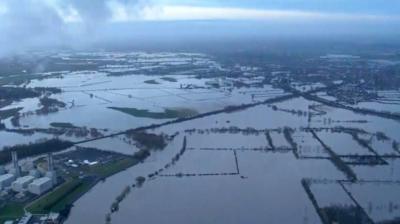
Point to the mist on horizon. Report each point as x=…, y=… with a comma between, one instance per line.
x=82, y=24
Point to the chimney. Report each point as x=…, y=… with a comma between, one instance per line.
x=50, y=162
x=14, y=157
x=51, y=173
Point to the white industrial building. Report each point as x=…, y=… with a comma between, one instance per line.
x=21, y=184
x=40, y=186
x=6, y=180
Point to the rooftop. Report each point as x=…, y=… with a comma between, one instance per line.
x=6, y=176
x=24, y=179
x=41, y=181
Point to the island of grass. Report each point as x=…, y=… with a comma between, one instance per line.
x=62, y=125
x=169, y=113
x=11, y=211
x=152, y=81
x=148, y=140
x=169, y=79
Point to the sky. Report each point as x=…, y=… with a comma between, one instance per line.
x=28, y=24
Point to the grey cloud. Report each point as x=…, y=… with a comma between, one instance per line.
x=24, y=23
x=41, y=24
x=35, y=23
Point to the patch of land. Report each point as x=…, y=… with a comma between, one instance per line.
x=11, y=211
x=148, y=140
x=169, y=79
x=166, y=114
x=4, y=114
x=16, y=93
x=62, y=125
x=152, y=81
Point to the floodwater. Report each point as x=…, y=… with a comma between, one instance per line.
x=223, y=176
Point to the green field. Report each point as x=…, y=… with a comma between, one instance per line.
x=170, y=113
x=104, y=171
x=11, y=211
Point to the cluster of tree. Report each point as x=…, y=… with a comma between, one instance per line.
x=199, y=174
x=4, y=114
x=50, y=102
x=292, y=111
x=348, y=130
x=230, y=130
x=345, y=214
x=108, y=218
x=15, y=120
x=148, y=140
x=365, y=111
x=269, y=139
x=78, y=132
x=306, y=185
x=396, y=146
x=352, y=95
x=119, y=198
x=51, y=90
x=287, y=132
x=141, y=155
x=173, y=161
x=49, y=105
x=337, y=161
x=381, y=136
x=17, y=93
x=370, y=160
x=180, y=153
x=366, y=144
x=27, y=150
x=139, y=181
x=82, y=132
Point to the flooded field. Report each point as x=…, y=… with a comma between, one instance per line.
x=235, y=144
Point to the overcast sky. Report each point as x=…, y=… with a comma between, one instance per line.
x=34, y=23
